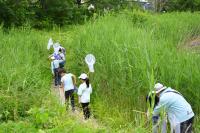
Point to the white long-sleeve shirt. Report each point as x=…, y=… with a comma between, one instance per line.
x=177, y=108
x=84, y=93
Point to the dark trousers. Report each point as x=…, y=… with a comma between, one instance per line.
x=186, y=126
x=86, y=110
x=62, y=64
x=57, y=77
x=70, y=94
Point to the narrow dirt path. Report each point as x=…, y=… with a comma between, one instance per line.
x=78, y=114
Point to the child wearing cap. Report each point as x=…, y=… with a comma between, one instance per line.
x=84, y=91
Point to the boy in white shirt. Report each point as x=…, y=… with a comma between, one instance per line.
x=68, y=82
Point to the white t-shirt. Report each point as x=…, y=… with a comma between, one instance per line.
x=67, y=81
x=84, y=93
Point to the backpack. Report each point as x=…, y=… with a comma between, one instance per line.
x=173, y=91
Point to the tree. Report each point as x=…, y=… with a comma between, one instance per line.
x=183, y=5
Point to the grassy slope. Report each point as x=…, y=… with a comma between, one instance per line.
x=133, y=50
x=25, y=81
x=23, y=72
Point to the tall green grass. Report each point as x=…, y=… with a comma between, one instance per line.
x=134, y=50
x=24, y=76
x=27, y=102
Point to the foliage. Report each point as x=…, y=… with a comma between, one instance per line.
x=133, y=50
x=13, y=12
x=183, y=5
x=132, y=54
x=41, y=13
x=48, y=13
x=27, y=104
x=24, y=77
x=49, y=118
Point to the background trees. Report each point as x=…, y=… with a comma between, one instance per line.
x=183, y=5
x=45, y=13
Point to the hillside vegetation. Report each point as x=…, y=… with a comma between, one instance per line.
x=133, y=51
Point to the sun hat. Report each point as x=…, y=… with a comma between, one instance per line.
x=83, y=76
x=159, y=87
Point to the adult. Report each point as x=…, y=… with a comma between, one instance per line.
x=177, y=108
x=68, y=82
x=55, y=68
x=84, y=91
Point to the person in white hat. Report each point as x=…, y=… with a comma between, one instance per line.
x=84, y=91
x=178, y=110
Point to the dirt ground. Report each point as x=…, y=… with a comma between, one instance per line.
x=194, y=42
x=191, y=45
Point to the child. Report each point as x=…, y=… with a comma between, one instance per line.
x=84, y=91
x=54, y=68
x=62, y=58
x=68, y=81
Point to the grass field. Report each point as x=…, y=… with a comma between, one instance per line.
x=133, y=50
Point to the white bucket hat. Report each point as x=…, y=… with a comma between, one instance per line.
x=83, y=76
x=159, y=87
